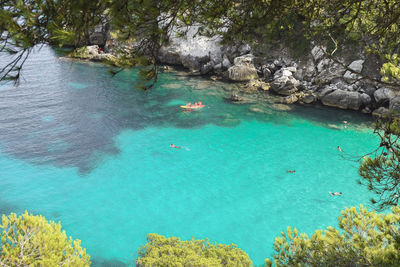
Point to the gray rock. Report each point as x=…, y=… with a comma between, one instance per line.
x=207, y=68
x=317, y=53
x=356, y=66
x=327, y=71
x=235, y=98
x=246, y=59
x=218, y=67
x=284, y=83
x=191, y=62
x=244, y=49
x=290, y=99
x=368, y=88
x=395, y=104
x=306, y=72
x=342, y=99
x=183, y=50
x=243, y=70
x=292, y=69
x=226, y=63
x=170, y=55
x=267, y=73
x=379, y=112
x=366, y=110
x=365, y=99
x=254, y=85
x=309, y=98
x=383, y=95
x=326, y=90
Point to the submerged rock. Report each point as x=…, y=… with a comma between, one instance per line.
x=235, y=98
x=254, y=85
x=281, y=107
x=290, y=99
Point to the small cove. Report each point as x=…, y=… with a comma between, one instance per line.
x=93, y=152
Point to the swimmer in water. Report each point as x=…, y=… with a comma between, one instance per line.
x=335, y=193
x=174, y=146
x=338, y=148
x=291, y=171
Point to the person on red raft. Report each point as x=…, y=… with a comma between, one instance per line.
x=174, y=146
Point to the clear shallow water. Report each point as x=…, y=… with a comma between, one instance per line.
x=93, y=152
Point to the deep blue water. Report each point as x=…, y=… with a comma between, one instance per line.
x=91, y=151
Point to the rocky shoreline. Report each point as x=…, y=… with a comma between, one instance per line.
x=313, y=78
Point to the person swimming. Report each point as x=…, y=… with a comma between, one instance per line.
x=174, y=146
x=335, y=193
x=291, y=171
x=338, y=148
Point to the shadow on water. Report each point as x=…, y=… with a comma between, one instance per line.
x=99, y=262
x=6, y=208
x=70, y=116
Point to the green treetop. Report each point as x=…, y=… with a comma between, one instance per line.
x=365, y=239
x=29, y=240
x=162, y=251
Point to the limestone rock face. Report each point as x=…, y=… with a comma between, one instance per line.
x=342, y=99
x=243, y=70
x=191, y=48
x=383, y=95
x=194, y=63
x=170, y=55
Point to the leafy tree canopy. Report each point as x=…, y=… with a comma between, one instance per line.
x=147, y=24
x=162, y=251
x=380, y=171
x=365, y=239
x=29, y=240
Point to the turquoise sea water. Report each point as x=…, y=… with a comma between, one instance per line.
x=93, y=152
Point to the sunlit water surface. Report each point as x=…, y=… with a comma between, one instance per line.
x=91, y=151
